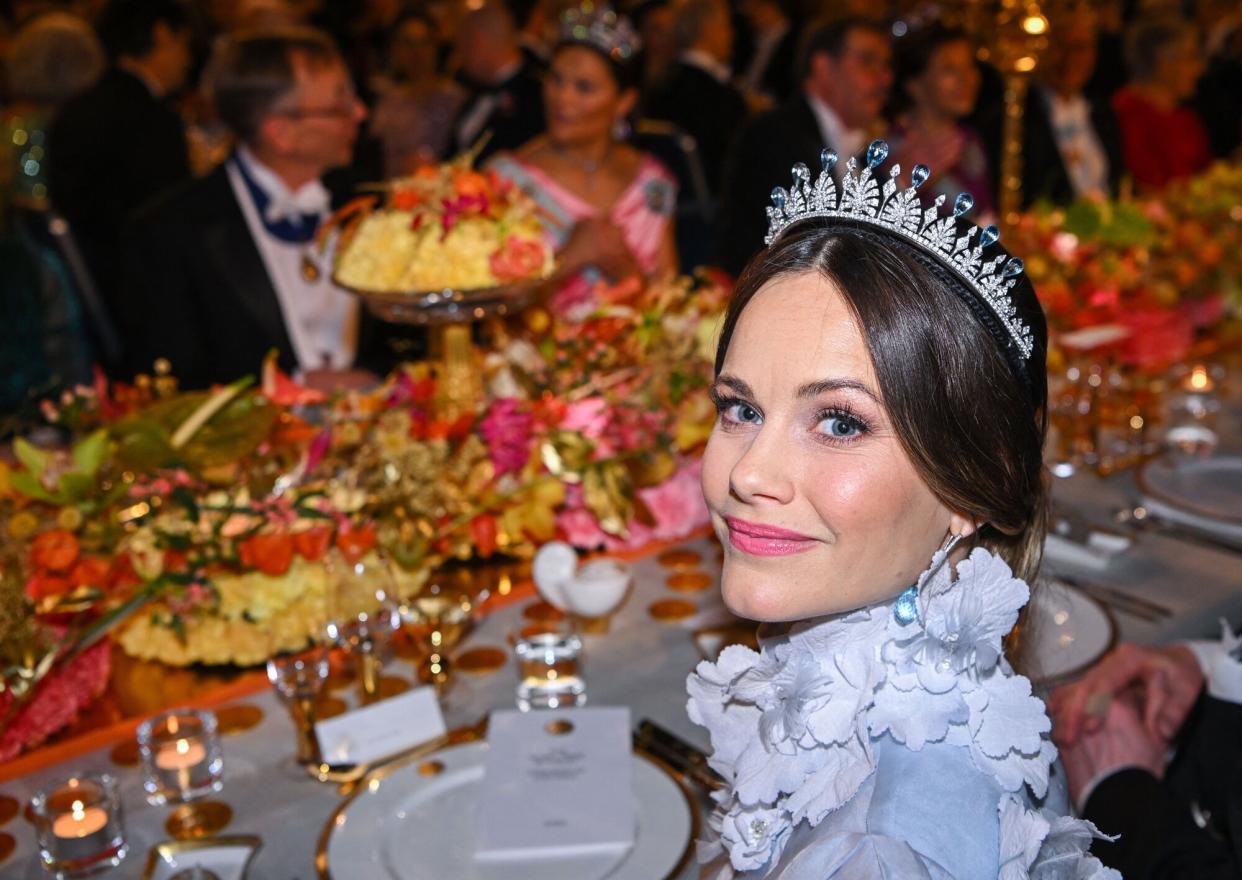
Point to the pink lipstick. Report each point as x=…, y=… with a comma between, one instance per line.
x=761, y=540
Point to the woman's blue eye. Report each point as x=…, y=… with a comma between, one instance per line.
x=842, y=427
x=744, y=413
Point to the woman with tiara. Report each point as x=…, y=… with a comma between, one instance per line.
x=875, y=477
x=607, y=206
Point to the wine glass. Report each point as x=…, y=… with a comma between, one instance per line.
x=362, y=614
x=435, y=619
x=298, y=678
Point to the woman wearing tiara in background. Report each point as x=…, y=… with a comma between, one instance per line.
x=881, y=395
x=607, y=206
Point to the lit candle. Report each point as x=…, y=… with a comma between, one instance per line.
x=79, y=822
x=181, y=755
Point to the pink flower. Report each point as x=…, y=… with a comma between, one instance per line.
x=575, y=300
x=1204, y=312
x=1157, y=337
x=507, y=430
x=60, y=697
x=677, y=505
x=588, y=417
x=1064, y=246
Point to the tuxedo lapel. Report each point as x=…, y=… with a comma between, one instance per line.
x=231, y=253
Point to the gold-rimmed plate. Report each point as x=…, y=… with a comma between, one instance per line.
x=405, y=823
x=226, y=857
x=448, y=305
x=1065, y=632
x=1199, y=488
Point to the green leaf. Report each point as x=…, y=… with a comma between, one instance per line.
x=88, y=454
x=76, y=487
x=35, y=459
x=29, y=485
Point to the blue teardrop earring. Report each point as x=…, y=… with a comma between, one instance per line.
x=906, y=608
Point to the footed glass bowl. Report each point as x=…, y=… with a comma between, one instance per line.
x=449, y=306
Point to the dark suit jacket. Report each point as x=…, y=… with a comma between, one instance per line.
x=1043, y=172
x=197, y=291
x=516, y=118
x=765, y=151
x=1159, y=839
x=110, y=150
x=704, y=108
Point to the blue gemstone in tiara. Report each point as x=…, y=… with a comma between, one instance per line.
x=862, y=199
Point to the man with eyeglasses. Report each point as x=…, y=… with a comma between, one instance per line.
x=227, y=268
x=845, y=70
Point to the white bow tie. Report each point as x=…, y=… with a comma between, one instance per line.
x=311, y=198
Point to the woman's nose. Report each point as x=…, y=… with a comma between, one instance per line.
x=763, y=475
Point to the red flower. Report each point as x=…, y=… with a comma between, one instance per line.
x=312, y=544
x=519, y=258
x=90, y=573
x=355, y=541
x=55, y=551
x=270, y=554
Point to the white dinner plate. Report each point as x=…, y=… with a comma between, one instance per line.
x=226, y=857
x=1206, y=488
x=417, y=821
x=1065, y=632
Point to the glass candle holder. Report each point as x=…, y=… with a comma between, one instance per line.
x=549, y=671
x=181, y=756
x=79, y=826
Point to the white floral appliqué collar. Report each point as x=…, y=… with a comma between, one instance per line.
x=793, y=727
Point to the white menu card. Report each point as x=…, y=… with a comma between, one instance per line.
x=556, y=783
x=369, y=733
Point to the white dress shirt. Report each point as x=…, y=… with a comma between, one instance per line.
x=706, y=63
x=1079, y=146
x=846, y=141
x=766, y=44
x=321, y=319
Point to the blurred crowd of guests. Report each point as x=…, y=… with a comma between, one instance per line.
x=164, y=166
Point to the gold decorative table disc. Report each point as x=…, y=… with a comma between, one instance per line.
x=481, y=660
x=125, y=754
x=689, y=581
x=7, y=845
x=235, y=719
x=542, y=611
x=340, y=677
x=330, y=707
x=9, y=807
x=201, y=819
x=672, y=609
x=534, y=629
x=680, y=558
x=431, y=768
x=391, y=686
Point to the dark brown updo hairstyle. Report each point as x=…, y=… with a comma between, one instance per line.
x=968, y=410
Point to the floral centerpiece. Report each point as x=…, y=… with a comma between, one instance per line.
x=195, y=527
x=1152, y=280
x=445, y=227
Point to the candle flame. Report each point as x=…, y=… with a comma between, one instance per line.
x=1199, y=378
x=79, y=810
x=183, y=746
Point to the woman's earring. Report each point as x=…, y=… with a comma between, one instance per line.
x=906, y=608
x=621, y=130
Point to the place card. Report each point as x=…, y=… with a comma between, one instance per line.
x=369, y=733
x=557, y=783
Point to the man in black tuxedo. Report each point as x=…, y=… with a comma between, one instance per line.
x=121, y=142
x=1179, y=818
x=845, y=73
x=697, y=95
x=506, y=91
x=1071, y=143
x=226, y=268
x=766, y=72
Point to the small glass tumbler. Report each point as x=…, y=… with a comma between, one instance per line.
x=299, y=679
x=181, y=756
x=549, y=671
x=79, y=826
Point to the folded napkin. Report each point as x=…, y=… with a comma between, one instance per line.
x=1094, y=553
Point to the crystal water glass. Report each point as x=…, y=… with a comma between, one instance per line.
x=79, y=826
x=549, y=671
x=435, y=619
x=299, y=679
x=362, y=616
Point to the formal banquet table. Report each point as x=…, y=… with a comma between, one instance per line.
x=641, y=662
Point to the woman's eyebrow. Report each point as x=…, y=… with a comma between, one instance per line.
x=736, y=384
x=814, y=389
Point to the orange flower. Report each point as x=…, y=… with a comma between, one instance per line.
x=483, y=531
x=270, y=554
x=90, y=573
x=55, y=551
x=519, y=258
x=354, y=542
x=312, y=544
x=471, y=183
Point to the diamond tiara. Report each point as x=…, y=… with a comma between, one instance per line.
x=599, y=26
x=863, y=200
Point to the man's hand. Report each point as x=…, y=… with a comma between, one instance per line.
x=1166, y=682
x=1119, y=740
